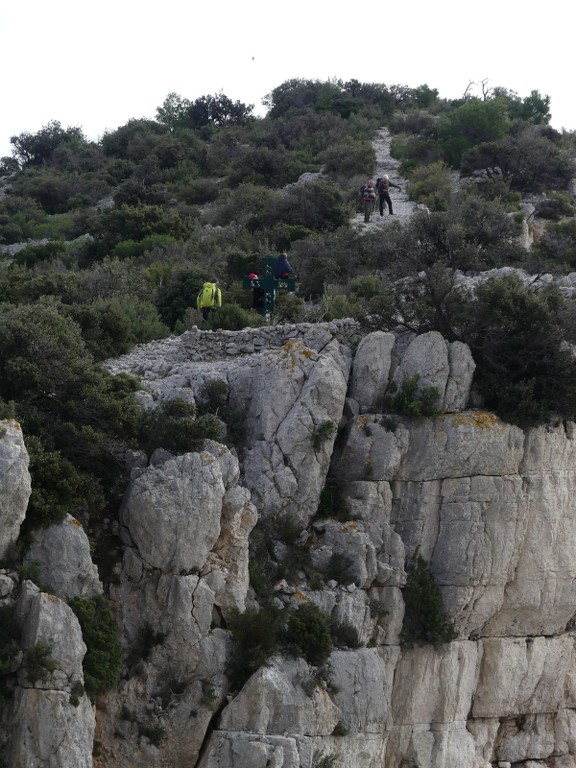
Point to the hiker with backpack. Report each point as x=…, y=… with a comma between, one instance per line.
x=209, y=297
x=368, y=199
x=383, y=187
x=282, y=267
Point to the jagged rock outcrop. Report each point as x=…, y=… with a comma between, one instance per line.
x=187, y=524
x=487, y=505
x=15, y=485
x=51, y=720
x=62, y=554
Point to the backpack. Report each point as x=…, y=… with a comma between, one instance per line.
x=206, y=296
x=380, y=186
x=368, y=194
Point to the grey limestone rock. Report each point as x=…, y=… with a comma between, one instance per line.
x=15, y=487
x=49, y=726
x=371, y=370
x=62, y=552
x=173, y=511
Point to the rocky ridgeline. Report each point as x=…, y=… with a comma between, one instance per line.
x=489, y=507
x=198, y=346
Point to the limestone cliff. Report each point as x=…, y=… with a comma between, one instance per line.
x=488, y=506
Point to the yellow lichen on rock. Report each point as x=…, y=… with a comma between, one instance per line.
x=478, y=419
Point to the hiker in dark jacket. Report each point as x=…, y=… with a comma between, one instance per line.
x=384, y=185
x=281, y=266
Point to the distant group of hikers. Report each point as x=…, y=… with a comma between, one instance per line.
x=370, y=190
x=210, y=295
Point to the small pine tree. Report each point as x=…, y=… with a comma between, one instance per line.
x=425, y=619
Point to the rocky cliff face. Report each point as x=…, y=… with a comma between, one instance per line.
x=487, y=506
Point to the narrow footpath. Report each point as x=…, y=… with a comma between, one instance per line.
x=402, y=207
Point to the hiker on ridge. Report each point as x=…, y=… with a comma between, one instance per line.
x=209, y=297
x=384, y=185
x=257, y=294
x=281, y=267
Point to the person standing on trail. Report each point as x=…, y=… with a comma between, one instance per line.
x=209, y=298
x=282, y=267
x=368, y=199
x=384, y=185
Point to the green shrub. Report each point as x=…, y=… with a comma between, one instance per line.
x=344, y=635
x=524, y=371
x=38, y=662
x=412, y=400
x=176, y=294
x=320, y=760
x=257, y=637
x=104, y=654
x=198, y=191
x=322, y=433
x=309, y=634
x=173, y=426
x=231, y=317
x=557, y=247
x=147, y=639
x=366, y=286
x=333, y=503
x=349, y=157
x=112, y=326
x=337, y=306
x=340, y=729
x=34, y=254
x=424, y=618
x=431, y=185
x=58, y=488
x=215, y=394
x=76, y=693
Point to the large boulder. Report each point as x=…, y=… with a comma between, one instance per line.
x=297, y=403
x=53, y=719
x=62, y=553
x=371, y=370
x=173, y=511
x=447, y=367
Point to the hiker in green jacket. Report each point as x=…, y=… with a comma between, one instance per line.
x=209, y=297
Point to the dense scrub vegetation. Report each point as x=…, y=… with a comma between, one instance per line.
x=119, y=236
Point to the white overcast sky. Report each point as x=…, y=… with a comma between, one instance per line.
x=96, y=65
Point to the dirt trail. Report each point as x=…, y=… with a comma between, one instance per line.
x=401, y=206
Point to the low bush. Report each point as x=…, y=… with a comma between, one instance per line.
x=38, y=663
x=257, y=637
x=431, y=186
x=35, y=254
x=308, y=633
x=424, y=618
x=322, y=433
x=231, y=317
x=59, y=488
x=333, y=503
x=104, y=654
x=412, y=400
x=174, y=427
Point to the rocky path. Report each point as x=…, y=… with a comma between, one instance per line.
x=403, y=208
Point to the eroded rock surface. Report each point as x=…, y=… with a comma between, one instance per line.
x=488, y=506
